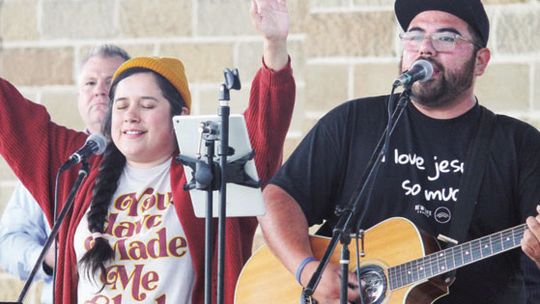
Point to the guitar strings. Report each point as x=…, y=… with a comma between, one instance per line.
x=472, y=251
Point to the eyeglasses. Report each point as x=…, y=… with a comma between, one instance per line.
x=442, y=42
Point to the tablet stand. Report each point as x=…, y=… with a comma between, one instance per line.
x=209, y=176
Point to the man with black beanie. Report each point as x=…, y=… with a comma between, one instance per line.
x=423, y=179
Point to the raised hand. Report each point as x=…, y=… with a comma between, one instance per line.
x=271, y=19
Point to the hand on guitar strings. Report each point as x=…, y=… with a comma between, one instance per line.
x=530, y=244
x=327, y=292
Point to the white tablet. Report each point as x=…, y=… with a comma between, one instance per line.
x=241, y=200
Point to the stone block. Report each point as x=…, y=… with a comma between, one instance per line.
x=133, y=50
x=206, y=103
x=6, y=174
x=224, y=18
x=62, y=106
x=299, y=113
x=204, y=62
x=309, y=122
x=38, y=66
x=326, y=86
x=298, y=14
x=505, y=87
x=536, y=87
x=291, y=143
x=165, y=18
x=351, y=34
x=517, y=30
x=371, y=3
x=11, y=287
x=11, y=14
x=208, y=100
x=32, y=94
x=533, y=120
x=318, y=4
x=249, y=59
x=5, y=195
x=297, y=53
x=371, y=79
x=258, y=239
x=70, y=19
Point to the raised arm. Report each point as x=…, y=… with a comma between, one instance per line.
x=273, y=89
x=271, y=19
x=32, y=145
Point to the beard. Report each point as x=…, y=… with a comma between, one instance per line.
x=443, y=91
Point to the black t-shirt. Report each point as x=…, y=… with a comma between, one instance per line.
x=419, y=180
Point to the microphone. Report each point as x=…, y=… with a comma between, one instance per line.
x=421, y=70
x=95, y=144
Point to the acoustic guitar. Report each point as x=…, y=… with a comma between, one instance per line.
x=401, y=265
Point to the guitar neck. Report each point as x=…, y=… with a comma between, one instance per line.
x=455, y=257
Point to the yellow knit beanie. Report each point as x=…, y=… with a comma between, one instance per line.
x=170, y=68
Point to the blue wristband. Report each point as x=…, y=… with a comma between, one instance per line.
x=302, y=266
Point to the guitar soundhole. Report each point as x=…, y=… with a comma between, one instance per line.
x=373, y=282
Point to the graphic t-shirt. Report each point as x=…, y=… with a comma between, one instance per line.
x=423, y=168
x=418, y=179
x=152, y=263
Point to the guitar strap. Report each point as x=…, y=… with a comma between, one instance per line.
x=475, y=165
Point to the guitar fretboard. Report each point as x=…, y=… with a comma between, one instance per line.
x=455, y=257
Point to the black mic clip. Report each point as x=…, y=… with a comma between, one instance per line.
x=94, y=144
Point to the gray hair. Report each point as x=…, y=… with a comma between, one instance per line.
x=105, y=50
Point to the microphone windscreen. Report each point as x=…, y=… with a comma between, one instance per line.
x=100, y=142
x=427, y=67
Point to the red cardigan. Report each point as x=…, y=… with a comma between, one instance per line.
x=35, y=147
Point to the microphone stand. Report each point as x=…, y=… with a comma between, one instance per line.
x=83, y=173
x=342, y=230
x=232, y=81
x=210, y=176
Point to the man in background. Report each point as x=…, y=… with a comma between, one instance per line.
x=23, y=225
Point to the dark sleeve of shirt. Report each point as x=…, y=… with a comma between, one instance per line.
x=531, y=275
x=309, y=173
x=529, y=175
x=318, y=171
x=529, y=197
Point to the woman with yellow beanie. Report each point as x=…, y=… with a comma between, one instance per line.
x=132, y=236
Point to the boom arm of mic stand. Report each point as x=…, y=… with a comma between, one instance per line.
x=83, y=173
x=343, y=227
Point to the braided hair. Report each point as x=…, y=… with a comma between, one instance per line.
x=109, y=173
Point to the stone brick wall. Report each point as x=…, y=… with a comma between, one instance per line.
x=340, y=49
